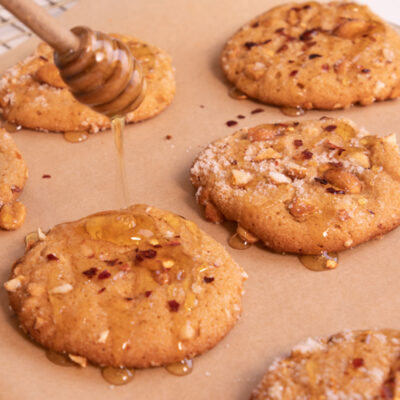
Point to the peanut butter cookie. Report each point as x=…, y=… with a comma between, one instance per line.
x=302, y=187
x=13, y=175
x=314, y=55
x=32, y=93
x=349, y=365
x=138, y=287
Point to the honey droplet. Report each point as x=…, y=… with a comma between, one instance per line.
x=117, y=376
x=75, y=137
x=59, y=359
x=181, y=368
x=236, y=242
x=10, y=127
x=323, y=262
x=293, y=111
x=236, y=94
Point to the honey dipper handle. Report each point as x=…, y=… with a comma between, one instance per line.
x=41, y=23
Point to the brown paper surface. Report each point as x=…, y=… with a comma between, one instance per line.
x=284, y=302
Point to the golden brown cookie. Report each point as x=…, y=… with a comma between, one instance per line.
x=305, y=188
x=13, y=175
x=348, y=365
x=315, y=55
x=138, y=287
x=32, y=93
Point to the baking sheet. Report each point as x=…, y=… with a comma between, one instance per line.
x=284, y=303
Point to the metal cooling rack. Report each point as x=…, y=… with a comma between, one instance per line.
x=13, y=32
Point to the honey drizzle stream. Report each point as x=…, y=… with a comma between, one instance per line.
x=323, y=262
x=181, y=368
x=117, y=126
x=117, y=376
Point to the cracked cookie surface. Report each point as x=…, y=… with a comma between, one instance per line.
x=137, y=287
x=309, y=187
x=315, y=55
x=348, y=365
x=32, y=93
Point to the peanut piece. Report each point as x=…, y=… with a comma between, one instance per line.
x=301, y=209
x=13, y=284
x=82, y=361
x=344, y=180
x=262, y=132
x=48, y=73
x=267, y=154
x=240, y=177
x=12, y=215
x=351, y=29
x=360, y=159
x=246, y=235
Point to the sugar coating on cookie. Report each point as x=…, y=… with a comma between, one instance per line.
x=319, y=185
x=138, y=287
x=314, y=55
x=348, y=365
x=32, y=93
x=13, y=175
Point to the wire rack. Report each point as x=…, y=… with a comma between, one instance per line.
x=13, y=32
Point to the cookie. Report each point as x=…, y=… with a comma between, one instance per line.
x=313, y=55
x=32, y=93
x=13, y=175
x=349, y=365
x=320, y=185
x=138, y=287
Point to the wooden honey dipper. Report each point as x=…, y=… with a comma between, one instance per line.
x=99, y=70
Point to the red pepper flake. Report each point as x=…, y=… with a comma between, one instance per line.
x=52, y=257
x=257, y=110
x=296, y=123
x=297, y=143
x=111, y=263
x=101, y=290
x=168, y=137
x=325, y=67
x=358, y=362
x=15, y=189
x=234, y=162
x=148, y=293
x=150, y=253
x=128, y=298
x=175, y=243
x=294, y=73
x=387, y=391
x=208, y=279
x=139, y=258
x=46, y=176
x=173, y=306
x=365, y=71
x=312, y=56
x=249, y=45
x=231, y=123
x=43, y=58
x=340, y=151
x=90, y=273
x=104, y=274
x=307, y=155
x=282, y=48
x=255, y=24
x=334, y=191
x=322, y=181
x=330, y=128
x=371, y=212
x=308, y=34
x=240, y=116
x=307, y=7
x=279, y=30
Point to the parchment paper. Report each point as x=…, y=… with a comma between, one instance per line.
x=284, y=302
